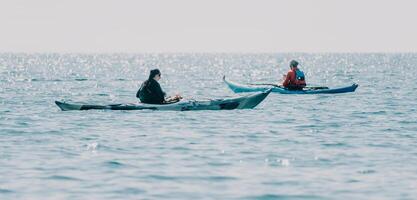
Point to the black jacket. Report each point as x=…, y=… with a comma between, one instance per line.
x=150, y=92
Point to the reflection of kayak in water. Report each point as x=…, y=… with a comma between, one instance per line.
x=245, y=102
x=237, y=88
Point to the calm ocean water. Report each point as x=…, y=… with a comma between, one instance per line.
x=360, y=145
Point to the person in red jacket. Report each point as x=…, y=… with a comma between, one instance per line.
x=295, y=79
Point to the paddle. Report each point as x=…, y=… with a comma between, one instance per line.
x=280, y=86
x=317, y=87
x=270, y=84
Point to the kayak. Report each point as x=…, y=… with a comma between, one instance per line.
x=244, y=102
x=237, y=88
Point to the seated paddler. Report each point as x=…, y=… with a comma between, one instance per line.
x=295, y=79
x=151, y=92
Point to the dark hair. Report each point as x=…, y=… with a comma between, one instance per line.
x=293, y=63
x=153, y=73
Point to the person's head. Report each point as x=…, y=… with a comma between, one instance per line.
x=293, y=64
x=155, y=74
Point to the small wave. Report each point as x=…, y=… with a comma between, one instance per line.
x=180, y=148
x=407, y=122
x=353, y=181
x=280, y=183
x=92, y=147
x=284, y=162
x=81, y=79
x=221, y=178
x=130, y=190
x=367, y=171
x=382, y=145
x=34, y=80
x=5, y=191
x=219, y=164
x=40, y=80
x=337, y=144
x=161, y=177
x=175, y=178
x=114, y=164
x=366, y=113
x=61, y=177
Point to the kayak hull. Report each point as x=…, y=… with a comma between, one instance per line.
x=245, y=102
x=238, y=88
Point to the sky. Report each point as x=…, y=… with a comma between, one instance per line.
x=231, y=26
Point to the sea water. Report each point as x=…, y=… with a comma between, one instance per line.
x=360, y=145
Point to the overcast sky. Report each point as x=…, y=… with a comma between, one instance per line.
x=208, y=26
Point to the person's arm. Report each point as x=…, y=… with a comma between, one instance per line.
x=139, y=90
x=287, y=80
x=159, y=93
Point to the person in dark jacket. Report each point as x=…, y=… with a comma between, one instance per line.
x=151, y=92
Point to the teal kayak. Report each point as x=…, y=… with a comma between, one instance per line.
x=244, y=102
x=237, y=88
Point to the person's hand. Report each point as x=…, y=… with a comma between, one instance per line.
x=177, y=96
x=173, y=99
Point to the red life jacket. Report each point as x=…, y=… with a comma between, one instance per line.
x=293, y=80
